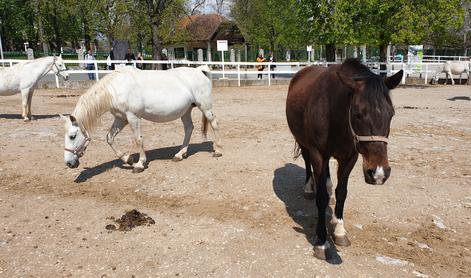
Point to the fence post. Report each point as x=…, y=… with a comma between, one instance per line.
x=426, y=73
x=171, y=64
x=238, y=73
x=269, y=76
x=97, y=78
x=403, y=74
x=57, y=81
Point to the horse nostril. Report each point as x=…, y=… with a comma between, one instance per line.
x=68, y=164
x=370, y=173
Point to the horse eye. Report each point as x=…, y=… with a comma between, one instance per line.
x=72, y=137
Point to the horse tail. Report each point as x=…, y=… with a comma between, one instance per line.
x=297, y=150
x=204, y=126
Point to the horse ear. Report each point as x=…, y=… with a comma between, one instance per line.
x=347, y=80
x=72, y=119
x=392, y=81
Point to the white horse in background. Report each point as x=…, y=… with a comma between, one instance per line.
x=452, y=67
x=24, y=77
x=131, y=95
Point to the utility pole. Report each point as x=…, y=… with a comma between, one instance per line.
x=1, y=46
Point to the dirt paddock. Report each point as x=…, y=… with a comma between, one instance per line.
x=239, y=215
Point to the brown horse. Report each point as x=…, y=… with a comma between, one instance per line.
x=339, y=112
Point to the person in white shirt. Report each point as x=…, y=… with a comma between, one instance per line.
x=90, y=65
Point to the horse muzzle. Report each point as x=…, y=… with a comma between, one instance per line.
x=378, y=175
x=72, y=165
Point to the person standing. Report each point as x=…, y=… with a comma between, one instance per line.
x=260, y=68
x=90, y=58
x=129, y=57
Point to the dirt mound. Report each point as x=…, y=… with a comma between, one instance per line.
x=129, y=220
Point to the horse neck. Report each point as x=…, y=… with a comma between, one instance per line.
x=92, y=105
x=44, y=67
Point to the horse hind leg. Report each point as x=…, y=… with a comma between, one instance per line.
x=209, y=115
x=309, y=187
x=116, y=127
x=188, y=127
x=135, y=124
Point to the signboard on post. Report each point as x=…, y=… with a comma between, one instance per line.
x=309, y=50
x=222, y=46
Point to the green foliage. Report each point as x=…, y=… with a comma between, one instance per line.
x=378, y=22
x=269, y=23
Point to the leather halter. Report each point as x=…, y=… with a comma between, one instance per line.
x=81, y=149
x=58, y=70
x=363, y=138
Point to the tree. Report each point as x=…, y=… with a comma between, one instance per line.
x=269, y=23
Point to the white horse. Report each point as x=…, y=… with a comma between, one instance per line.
x=24, y=77
x=131, y=94
x=450, y=68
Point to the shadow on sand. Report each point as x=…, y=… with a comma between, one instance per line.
x=288, y=185
x=19, y=117
x=459, y=98
x=156, y=154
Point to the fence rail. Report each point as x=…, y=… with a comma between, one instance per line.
x=235, y=70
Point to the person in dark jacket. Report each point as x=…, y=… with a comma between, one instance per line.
x=129, y=57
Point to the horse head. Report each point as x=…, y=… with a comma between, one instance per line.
x=59, y=68
x=76, y=141
x=369, y=119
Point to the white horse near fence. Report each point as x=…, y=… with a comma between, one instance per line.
x=24, y=77
x=453, y=67
x=131, y=95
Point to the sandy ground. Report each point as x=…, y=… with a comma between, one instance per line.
x=240, y=215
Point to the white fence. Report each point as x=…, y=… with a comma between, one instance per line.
x=238, y=70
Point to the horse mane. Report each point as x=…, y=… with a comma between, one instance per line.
x=376, y=89
x=95, y=102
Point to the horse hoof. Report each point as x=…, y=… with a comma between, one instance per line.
x=26, y=120
x=309, y=195
x=217, y=154
x=342, y=241
x=136, y=170
x=176, y=159
x=321, y=252
x=331, y=201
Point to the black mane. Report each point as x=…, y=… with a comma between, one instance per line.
x=375, y=86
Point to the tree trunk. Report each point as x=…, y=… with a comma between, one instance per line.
x=156, y=45
x=383, y=49
x=40, y=28
x=330, y=52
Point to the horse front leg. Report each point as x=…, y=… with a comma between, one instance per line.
x=30, y=101
x=25, y=97
x=135, y=124
x=320, y=167
x=344, y=170
x=116, y=127
x=188, y=127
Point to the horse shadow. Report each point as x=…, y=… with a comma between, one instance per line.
x=35, y=117
x=288, y=185
x=459, y=98
x=166, y=153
